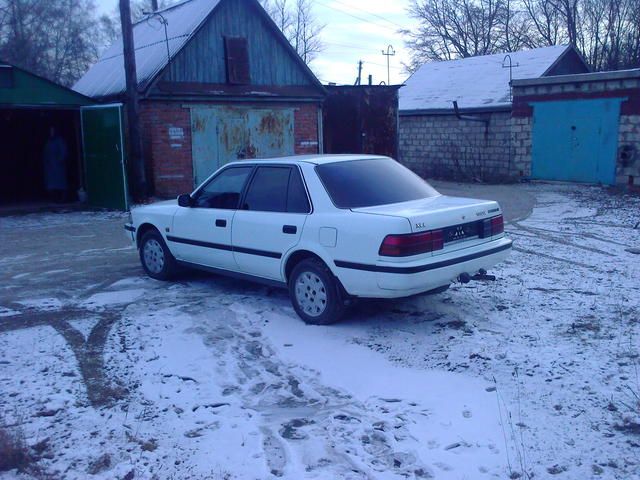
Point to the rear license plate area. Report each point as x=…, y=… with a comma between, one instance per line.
x=464, y=231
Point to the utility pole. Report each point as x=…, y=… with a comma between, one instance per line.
x=135, y=139
x=389, y=53
x=359, y=73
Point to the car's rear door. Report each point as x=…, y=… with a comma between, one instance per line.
x=270, y=220
x=201, y=234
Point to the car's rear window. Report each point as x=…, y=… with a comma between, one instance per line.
x=372, y=182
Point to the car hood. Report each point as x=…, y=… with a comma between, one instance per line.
x=163, y=205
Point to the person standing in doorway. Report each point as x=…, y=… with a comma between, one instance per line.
x=55, y=166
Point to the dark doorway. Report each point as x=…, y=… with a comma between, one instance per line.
x=23, y=135
x=361, y=119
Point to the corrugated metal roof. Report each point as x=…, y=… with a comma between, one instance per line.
x=106, y=77
x=475, y=82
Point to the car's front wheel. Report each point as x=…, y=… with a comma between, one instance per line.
x=315, y=293
x=155, y=256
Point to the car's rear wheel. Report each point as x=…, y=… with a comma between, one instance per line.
x=315, y=293
x=155, y=256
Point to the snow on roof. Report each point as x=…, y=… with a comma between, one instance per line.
x=106, y=77
x=475, y=82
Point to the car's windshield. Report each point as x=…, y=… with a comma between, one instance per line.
x=372, y=182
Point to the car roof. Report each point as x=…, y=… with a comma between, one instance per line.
x=318, y=159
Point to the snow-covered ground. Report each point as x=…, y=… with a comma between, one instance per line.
x=534, y=375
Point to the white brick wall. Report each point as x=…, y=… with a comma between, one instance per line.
x=441, y=146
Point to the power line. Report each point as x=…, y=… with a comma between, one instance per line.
x=381, y=65
x=355, y=16
x=370, y=13
x=352, y=47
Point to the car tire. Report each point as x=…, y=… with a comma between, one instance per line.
x=155, y=257
x=315, y=293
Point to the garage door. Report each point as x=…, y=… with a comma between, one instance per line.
x=224, y=134
x=575, y=140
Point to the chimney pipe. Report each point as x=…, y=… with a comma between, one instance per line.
x=154, y=5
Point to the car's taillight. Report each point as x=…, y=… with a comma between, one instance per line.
x=492, y=226
x=411, y=244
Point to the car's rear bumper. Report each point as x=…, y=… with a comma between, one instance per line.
x=388, y=280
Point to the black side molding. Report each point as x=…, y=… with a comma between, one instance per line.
x=421, y=268
x=129, y=228
x=220, y=246
x=198, y=243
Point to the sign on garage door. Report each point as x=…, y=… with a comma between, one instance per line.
x=575, y=140
x=224, y=134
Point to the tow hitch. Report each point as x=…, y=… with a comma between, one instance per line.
x=481, y=276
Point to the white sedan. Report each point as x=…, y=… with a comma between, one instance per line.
x=329, y=228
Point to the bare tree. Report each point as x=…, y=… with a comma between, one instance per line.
x=607, y=32
x=52, y=38
x=110, y=24
x=545, y=21
x=299, y=24
x=460, y=28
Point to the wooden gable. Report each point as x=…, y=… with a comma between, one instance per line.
x=238, y=44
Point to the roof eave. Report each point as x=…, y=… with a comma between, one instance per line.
x=449, y=111
x=579, y=77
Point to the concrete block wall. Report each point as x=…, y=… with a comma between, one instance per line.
x=442, y=146
x=521, y=143
x=166, y=132
x=628, y=168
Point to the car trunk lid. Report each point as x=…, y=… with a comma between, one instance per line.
x=459, y=218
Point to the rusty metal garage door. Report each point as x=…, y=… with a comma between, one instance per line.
x=223, y=134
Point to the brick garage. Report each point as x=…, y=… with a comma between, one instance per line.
x=224, y=84
x=622, y=87
x=170, y=161
x=502, y=151
x=478, y=143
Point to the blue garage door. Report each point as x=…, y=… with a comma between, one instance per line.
x=224, y=134
x=575, y=140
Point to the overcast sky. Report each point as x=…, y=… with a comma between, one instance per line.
x=355, y=30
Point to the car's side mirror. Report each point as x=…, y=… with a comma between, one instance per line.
x=185, y=200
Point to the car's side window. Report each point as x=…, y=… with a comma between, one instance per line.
x=268, y=190
x=224, y=190
x=297, y=200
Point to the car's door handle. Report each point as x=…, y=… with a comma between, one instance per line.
x=221, y=223
x=291, y=229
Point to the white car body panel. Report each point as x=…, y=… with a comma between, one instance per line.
x=346, y=240
x=200, y=225
x=264, y=231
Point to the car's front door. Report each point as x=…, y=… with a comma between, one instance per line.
x=201, y=233
x=270, y=220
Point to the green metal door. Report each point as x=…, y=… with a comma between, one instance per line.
x=575, y=140
x=102, y=142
